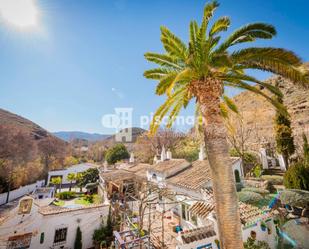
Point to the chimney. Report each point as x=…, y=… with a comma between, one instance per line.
x=131, y=160
x=155, y=159
x=163, y=154
x=201, y=154
x=168, y=155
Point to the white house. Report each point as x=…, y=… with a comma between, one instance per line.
x=38, y=224
x=63, y=174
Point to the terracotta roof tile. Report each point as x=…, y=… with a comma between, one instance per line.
x=170, y=167
x=197, y=234
x=202, y=209
x=194, y=177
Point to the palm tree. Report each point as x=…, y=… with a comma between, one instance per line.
x=71, y=177
x=200, y=71
x=56, y=181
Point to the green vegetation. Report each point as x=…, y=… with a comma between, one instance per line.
x=59, y=203
x=104, y=234
x=257, y=170
x=88, y=199
x=272, y=179
x=306, y=149
x=56, y=181
x=116, y=153
x=71, y=177
x=250, y=197
x=187, y=148
x=295, y=197
x=256, y=190
x=284, y=138
x=253, y=244
x=66, y=195
x=199, y=70
x=78, y=239
x=297, y=176
x=89, y=176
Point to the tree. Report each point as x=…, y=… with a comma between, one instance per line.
x=297, y=176
x=306, y=149
x=50, y=149
x=89, y=176
x=200, y=71
x=16, y=149
x=116, y=153
x=56, y=181
x=71, y=177
x=104, y=234
x=78, y=239
x=284, y=137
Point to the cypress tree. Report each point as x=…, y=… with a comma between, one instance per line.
x=78, y=239
x=284, y=136
x=306, y=149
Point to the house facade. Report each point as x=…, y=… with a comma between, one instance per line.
x=38, y=224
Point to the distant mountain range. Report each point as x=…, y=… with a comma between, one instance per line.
x=73, y=135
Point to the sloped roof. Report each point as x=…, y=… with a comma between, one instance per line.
x=170, y=167
x=117, y=175
x=249, y=213
x=194, y=177
x=202, y=209
x=50, y=210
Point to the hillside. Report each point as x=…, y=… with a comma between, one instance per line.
x=72, y=135
x=259, y=114
x=22, y=124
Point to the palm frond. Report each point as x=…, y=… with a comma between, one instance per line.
x=242, y=85
x=165, y=83
x=230, y=104
x=257, y=54
x=163, y=60
x=172, y=44
x=221, y=24
x=248, y=33
x=156, y=73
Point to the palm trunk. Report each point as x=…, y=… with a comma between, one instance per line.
x=208, y=94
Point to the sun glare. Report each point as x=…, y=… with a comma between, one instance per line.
x=22, y=14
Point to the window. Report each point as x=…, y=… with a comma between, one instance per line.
x=60, y=235
x=185, y=212
x=42, y=238
x=237, y=177
x=154, y=177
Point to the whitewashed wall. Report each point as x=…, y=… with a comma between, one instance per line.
x=17, y=193
x=87, y=219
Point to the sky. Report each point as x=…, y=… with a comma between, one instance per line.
x=85, y=58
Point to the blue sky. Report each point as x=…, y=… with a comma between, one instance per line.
x=88, y=59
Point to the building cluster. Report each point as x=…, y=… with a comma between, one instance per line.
x=168, y=204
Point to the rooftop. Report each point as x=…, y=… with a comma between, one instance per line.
x=170, y=167
x=79, y=167
x=197, y=234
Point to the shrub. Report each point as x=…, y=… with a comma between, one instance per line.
x=256, y=190
x=66, y=195
x=295, y=197
x=297, y=176
x=239, y=186
x=89, y=198
x=257, y=170
x=78, y=239
x=274, y=180
x=250, y=197
x=116, y=153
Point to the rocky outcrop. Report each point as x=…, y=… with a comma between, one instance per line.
x=258, y=114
